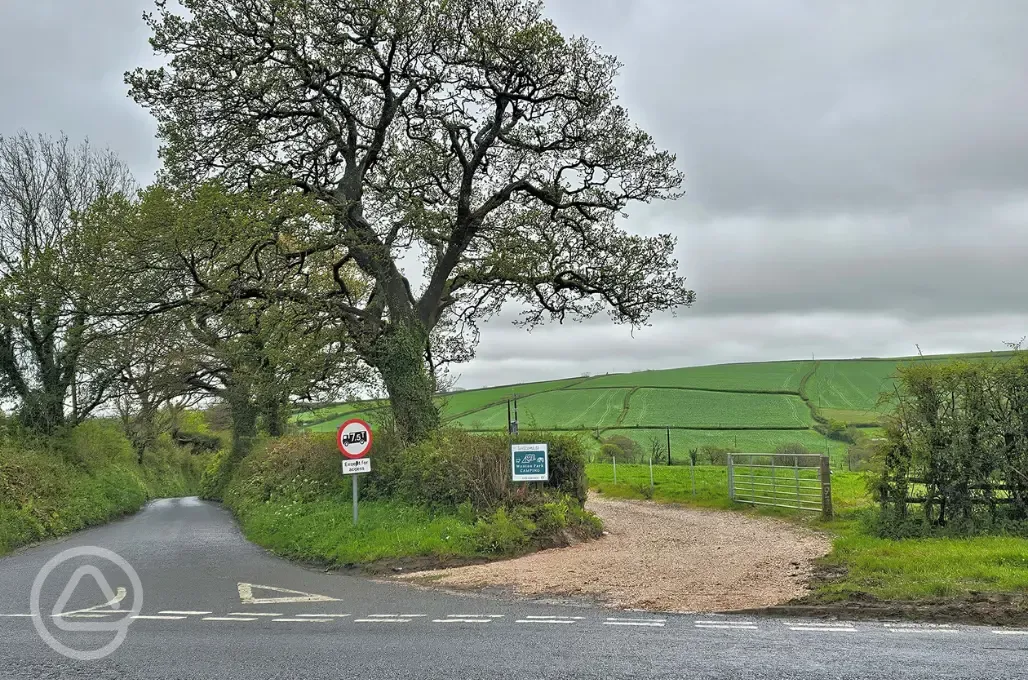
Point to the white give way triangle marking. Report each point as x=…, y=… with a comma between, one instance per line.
x=246, y=595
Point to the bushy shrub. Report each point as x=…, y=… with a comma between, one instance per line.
x=715, y=455
x=297, y=468
x=958, y=443
x=627, y=449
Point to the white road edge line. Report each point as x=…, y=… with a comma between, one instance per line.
x=17, y=616
x=158, y=617
x=229, y=618
x=1010, y=632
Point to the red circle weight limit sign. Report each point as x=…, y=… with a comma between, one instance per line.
x=354, y=438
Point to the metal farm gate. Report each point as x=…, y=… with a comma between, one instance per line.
x=800, y=482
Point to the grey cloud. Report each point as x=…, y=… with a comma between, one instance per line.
x=802, y=107
x=856, y=180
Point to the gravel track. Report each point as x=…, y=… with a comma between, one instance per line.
x=661, y=558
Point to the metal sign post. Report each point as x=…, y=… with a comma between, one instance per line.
x=354, y=441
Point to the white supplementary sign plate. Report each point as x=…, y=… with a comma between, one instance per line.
x=356, y=467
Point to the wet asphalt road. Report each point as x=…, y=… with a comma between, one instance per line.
x=191, y=560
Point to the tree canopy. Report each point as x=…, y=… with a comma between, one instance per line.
x=470, y=132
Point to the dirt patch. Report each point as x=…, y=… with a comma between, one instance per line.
x=661, y=558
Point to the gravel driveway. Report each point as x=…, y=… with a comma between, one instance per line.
x=661, y=558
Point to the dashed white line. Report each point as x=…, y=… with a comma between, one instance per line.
x=17, y=616
x=174, y=612
x=270, y=614
x=476, y=616
x=652, y=624
x=158, y=617
x=322, y=616
x=394, y=616
x=382, y=619
x=455, y=620
x=298, y=620
x=1010, y=632
x=824, y=629
x=545, y=618
x=725, y=626
x=229, y=618
x=83, y=616
x=545, y=621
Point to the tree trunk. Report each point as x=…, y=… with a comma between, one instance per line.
x=244, y=420
x=399, y=356
x=274, y=415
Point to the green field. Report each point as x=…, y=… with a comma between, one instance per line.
x=774, y=376
x=752, y=407
x=714, y=410
x=561, y=409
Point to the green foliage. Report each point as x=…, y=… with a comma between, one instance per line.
x=959, y=443
x=625, y=448
x=447, y=496
x=87, y=476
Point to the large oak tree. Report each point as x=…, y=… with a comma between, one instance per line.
x=470, y=132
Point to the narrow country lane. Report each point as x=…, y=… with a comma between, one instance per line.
x=206, y=614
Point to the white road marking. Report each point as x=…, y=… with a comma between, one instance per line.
x=82, y=616
x=728, y=623
x=157, y=617
x=825, y=629
x=253, y=614
x=543, y=618
x=477, y=616
x=185, y=613
x=924, y=630
x=653, y=624
x=395, y=616
x=723, y=626
x=995, y=632
x=246, y=595
x=545, y=621
x=382, y=620
x=112, y=603
x=298, y=620
x=229, y=618
x=322, y=616
x=451, y=620
x=17, y=616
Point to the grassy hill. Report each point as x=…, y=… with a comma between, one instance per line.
x=751, y=407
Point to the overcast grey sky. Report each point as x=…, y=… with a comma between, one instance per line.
x=857, y=172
